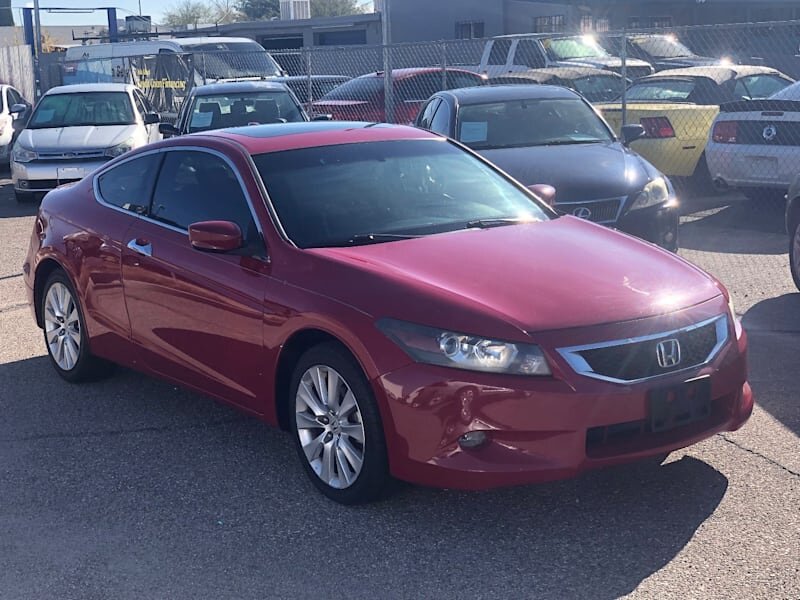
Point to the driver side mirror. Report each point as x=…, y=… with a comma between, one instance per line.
x=631, y=133
x=168, y=129
x=546, y=193
x=17, y=109
x=152, y=118
x=215, y=236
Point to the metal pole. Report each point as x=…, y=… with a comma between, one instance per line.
x=37, y=48
x=310, y=92
x=624, y=56
x=388, y=90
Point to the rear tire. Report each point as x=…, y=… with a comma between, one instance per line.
x=700, y=182
x=794, y=254
x=336, y=426
x=65, y=332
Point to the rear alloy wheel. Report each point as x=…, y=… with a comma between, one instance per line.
x=65, y=334
x=336, y=426
x=794, y=255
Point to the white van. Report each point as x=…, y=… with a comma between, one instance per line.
x=214, y=59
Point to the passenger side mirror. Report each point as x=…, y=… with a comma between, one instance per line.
x=17, y=109
x=322, y=118
x=168, y=129
x=631, y=133
x=546, y=193
x=215, y=236
x=152, y=118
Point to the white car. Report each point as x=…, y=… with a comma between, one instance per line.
x=12, y=106
x=755, y=144
x=74, y=130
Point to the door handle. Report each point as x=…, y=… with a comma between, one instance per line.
x=144, y=248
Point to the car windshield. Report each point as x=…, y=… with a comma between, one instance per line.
x=230, y=60
x=788, y=93
x=574, y=47
x=599, y=88
x=662, y=46
x=665, y=90
x=381, y=191
x=530, y=122
x=361, y=88
x=83, y=108
x=247, y=108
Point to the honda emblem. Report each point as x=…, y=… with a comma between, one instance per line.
x=668, y=353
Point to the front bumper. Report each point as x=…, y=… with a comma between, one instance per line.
x=753, y=166
x=656, y=224
x=43, y=176
x=541, y=429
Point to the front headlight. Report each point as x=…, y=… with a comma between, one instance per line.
x=655, y=192
x=21, y=154
x=120, y=149
x=449, y=349
x=737, y=322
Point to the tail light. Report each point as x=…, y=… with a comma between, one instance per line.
x=725, y=132
x=657, y=127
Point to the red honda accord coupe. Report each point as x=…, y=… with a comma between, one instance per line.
x=393, y=300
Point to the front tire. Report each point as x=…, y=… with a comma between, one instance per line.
x=65, y=332
x=794, y=254
x=336, y=426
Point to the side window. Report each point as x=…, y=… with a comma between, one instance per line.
x=461, y=80
x=758, y=87
x=130, y=184
x=441, y=120
x=419, y=88
x=499, y=52
x=139, y=104
x=529, y=54
x=198, y=186
x=426, y=115
x=14, y=97
x=145, y=103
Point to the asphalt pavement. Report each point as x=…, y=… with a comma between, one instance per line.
x=132, y=488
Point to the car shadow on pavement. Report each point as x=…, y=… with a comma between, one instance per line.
x=9, y=207
x=132, y=484
x=773, y=328
x=742, y=227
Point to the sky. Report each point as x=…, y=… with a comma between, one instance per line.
x=154, y=8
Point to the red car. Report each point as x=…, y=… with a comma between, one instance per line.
x=363, y=99
x=393, y=300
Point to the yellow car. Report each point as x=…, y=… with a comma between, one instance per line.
x=677, y=108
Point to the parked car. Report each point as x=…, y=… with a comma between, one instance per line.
x=13, y=108
x=362, y=98
x=510, y=53
x=755, y=144
x=235, y=104
x=319, y=86
x=676, y=109
x=793, y=228
x=595, y=85
x=75, y=129
x=662, y=51
x=541, y=134
x=397, y=303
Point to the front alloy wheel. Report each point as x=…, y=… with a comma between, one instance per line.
x=794, y=255
x=337, y=427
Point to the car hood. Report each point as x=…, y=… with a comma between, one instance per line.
x=662, y=64
x=61, y=139
x=578, y=172
x=542, y=276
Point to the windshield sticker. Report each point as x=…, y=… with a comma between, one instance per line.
x=45, y=115
x=202, y=119
x=474, y=131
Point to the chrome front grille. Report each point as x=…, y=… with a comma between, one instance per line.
x=606, y=211
x=646, y=357
x=71, y=155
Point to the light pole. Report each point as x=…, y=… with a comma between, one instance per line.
x=387, y=63
x=37, y=47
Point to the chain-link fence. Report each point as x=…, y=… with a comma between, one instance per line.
x=689, y=73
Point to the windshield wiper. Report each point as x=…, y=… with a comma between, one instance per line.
x=570, y=142
x=489, y=223
x=377, y=238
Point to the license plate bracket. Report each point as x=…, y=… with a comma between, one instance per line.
x=70, y=173
x=678, y=405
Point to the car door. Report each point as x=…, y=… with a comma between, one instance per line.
x=197, y=316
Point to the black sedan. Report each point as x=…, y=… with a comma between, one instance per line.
x=596, y=85
x=663, y=51
x=235, y=104
x=543, y=134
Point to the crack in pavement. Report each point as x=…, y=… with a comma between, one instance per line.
x=758, y=454
x=118, y=432
x=4, y=277
x=13, y=307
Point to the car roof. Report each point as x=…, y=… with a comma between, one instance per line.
x=213, y=89
x=259, y=139
x=91, y=87
x=403, y=73
x=188, y=41
x=719, y=74
x=499, y=93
